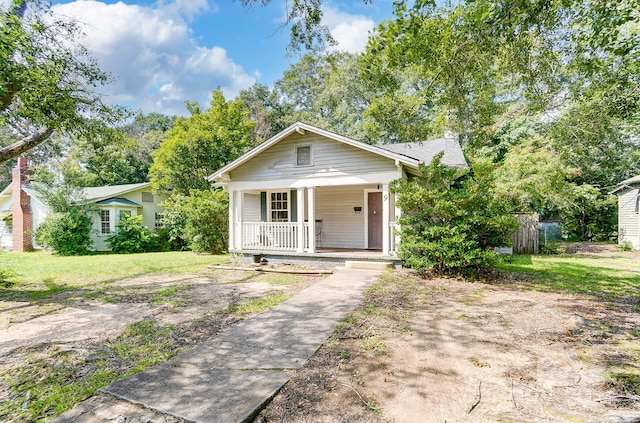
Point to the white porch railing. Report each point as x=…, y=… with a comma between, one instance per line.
x=272, y=236
x=394, y=237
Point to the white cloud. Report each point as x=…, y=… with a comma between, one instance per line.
x=350, y=31
x=156, y=63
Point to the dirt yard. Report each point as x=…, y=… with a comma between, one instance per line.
x=418, y=350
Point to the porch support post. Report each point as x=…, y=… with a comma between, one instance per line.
x=239, y=208
x=386, y=204
x=300, y=212
x=311, y=197
x=397, y=212
x=232, y=215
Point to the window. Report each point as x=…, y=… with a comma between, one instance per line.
x=159, y=224
x=279, y=206
x=105, y=221
x=125, y=213
x=147, y=197
x=303, y=155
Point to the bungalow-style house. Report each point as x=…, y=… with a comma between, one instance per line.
x=628, y=192
x=22, y=210
x=307, y=174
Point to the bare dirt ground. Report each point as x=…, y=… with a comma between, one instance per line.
x=418, y=350
x=445, y=350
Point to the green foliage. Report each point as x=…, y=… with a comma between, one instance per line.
x=132, y=236
x=550, y=248
x=47, y=78
x=201, y=220
x=625, y=246
x=67, y=233
x=199, y=145
x=452, y=223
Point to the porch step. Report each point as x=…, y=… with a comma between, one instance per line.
x=368, y=265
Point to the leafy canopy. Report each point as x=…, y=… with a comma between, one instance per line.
x=47, y=79
x=200, y=144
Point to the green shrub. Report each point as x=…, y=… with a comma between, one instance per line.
x=451, y=222
x=67, y=233
x=625, y=246
x=7, y=278
x=551, y=248
x=200, y=220
x=132, y=236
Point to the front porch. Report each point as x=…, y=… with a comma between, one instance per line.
x=348, y=221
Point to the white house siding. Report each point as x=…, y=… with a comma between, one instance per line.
x=628, y=219
x=6, y=240
x=148, y=212
x=329, y=159
x=251, y=209
x=341, y=226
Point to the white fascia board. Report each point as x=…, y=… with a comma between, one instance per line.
x=299, y=127
x=363, y=179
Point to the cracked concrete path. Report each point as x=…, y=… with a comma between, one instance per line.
x=230, y=377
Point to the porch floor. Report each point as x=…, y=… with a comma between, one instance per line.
x=323, y=256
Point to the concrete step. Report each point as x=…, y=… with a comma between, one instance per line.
x=368, y=265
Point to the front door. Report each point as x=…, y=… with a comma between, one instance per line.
x=375, y=220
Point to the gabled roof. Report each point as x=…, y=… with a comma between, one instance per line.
x=91, y=194
x=425, y=151
x=410, y=155
x=627, y=183
x=96, y=194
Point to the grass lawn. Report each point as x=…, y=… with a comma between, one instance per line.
x=46, y=268
x=615, y=278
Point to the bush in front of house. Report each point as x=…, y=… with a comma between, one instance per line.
x=451, y=222
x=200, y=220
x=67, y=233
x=132, y=236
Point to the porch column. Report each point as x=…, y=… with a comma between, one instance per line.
x=311, y=197
x=300, y=207
x=385, y=219
x=239, y=209
x=397, y=212
x=232, y=224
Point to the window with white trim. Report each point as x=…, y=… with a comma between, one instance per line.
x=159, y=222
x=279, y=206
x=105, y=221
x=303, y=155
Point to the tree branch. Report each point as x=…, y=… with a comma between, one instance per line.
x=25, y=144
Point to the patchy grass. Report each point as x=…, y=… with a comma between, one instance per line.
x=257, y=305
x=39, y=266
x=52, y=379
x=613, y=279
x=41, y=275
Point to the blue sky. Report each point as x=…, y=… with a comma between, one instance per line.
x=162, y=53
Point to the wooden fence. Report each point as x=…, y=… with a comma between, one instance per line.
x=526, y=240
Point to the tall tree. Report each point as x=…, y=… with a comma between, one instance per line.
x=47, y=79
x=200, y=144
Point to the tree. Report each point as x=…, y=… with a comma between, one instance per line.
x=200, y=144
x=451, y=222
x=201, y=220
x=47, y=79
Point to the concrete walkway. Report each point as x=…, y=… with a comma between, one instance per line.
x=230, y=377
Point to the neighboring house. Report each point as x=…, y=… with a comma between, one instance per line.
x=306, y=174
x=22, y=210
x=628, y=192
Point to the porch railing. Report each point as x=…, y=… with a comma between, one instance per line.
x=273, y=236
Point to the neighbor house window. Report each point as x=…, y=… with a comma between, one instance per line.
x=105, y=221
x=303, y=155
x=159, y=224
x=279, y=206
x=147, y=197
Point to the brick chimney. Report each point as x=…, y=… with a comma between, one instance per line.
x=22, y=220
